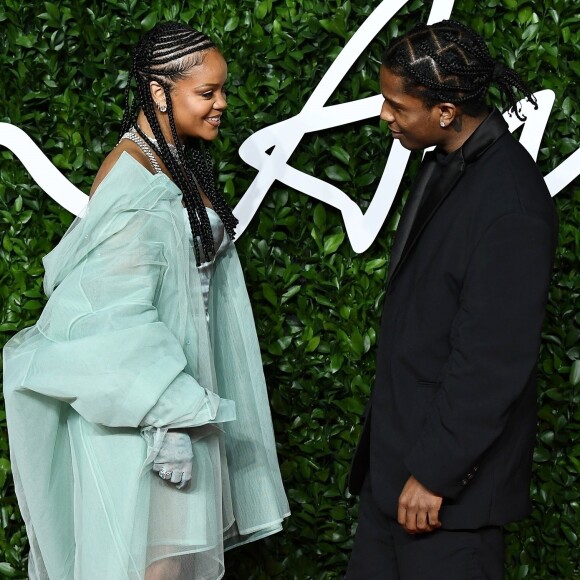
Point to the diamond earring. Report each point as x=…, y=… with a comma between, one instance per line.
x=442, y=123
x=162, y=108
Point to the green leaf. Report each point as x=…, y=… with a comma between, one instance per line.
x=33, y=305
x=522, y=572
x=570, y=534
x=351, y=405
x=337, y=173
x=525, y=14
x=149, y=21
x=18, y=204
x=357, y=342
x=566, y=34
x=7, y=570
x=575, y=373
x=362, y=180
x=345, y=311
x=232, y=24
x=269, y=294
x=375, y=264
x=313, y=344
x=292, y=291
x=332, y=243
x=340, y=154
x=530, y=31
x=261, y=10
x=319, y=216
x=336, y=361
x=541, y=455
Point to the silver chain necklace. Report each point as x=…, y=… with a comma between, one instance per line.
x=171, y=146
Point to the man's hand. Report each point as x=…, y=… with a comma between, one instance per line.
x=418, y=508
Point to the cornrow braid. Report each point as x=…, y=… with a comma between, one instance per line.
x=166, y=55
x=449, y=62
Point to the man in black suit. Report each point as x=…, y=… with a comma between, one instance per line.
x=445, y=454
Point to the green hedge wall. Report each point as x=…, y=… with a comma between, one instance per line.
x=63, y=66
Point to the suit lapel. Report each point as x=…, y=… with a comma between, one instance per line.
x=439, y=190
x=436, y=190
x=416, y=195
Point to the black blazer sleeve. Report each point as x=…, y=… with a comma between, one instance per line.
x=494, y=347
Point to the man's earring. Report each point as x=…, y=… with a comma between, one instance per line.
x=442, y=123
x=162, y=108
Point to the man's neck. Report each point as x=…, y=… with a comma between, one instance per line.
x=461, y=130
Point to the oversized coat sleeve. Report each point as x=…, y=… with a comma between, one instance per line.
x=494, y=347
x=100, y=344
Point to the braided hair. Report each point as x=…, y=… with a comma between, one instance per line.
x=449, y=62
x=167, y=54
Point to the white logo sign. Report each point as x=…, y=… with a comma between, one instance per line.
x=283, y=138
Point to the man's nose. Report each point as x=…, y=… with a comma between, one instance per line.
x=386, y=114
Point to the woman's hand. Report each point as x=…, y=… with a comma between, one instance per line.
x=174, y=461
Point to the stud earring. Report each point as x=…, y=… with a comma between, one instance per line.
x=162, y=108
x=442, y=123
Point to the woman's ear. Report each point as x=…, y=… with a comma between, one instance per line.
x=158, y=95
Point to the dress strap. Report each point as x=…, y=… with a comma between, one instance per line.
x=132, y=135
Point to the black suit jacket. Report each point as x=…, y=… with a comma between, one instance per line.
x=454, y=398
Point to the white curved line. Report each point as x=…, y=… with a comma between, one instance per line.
x=46, y=175
x=564, y=174
x=536, y=120
x=367, y=32
x=285, y=136
x=282, y=139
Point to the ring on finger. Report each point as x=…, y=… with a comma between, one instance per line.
x=163, y=474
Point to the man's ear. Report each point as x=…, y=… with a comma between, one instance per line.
x=448, y=113
x=157, y=93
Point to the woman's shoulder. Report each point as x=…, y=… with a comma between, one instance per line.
x=114, y=157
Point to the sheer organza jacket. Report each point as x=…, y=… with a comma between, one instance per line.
x=124, y=350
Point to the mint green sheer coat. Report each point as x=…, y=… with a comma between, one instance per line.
x=122, y=352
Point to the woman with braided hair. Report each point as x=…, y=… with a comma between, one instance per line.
x=141, y=438
x=445, y=455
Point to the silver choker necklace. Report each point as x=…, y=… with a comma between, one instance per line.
x=171, y=146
